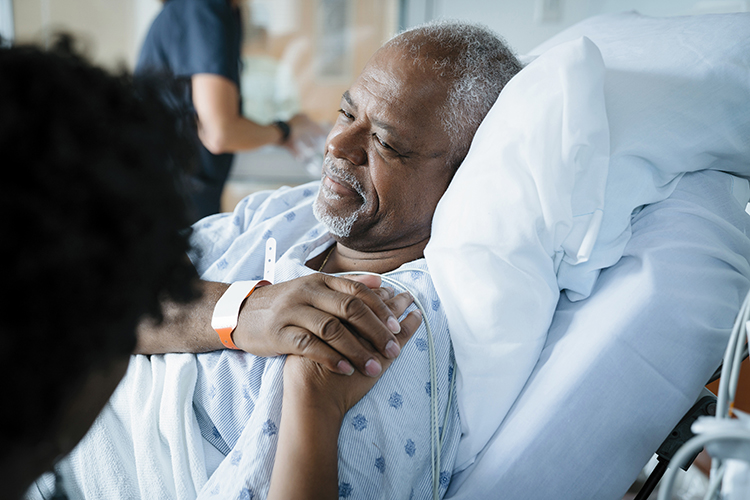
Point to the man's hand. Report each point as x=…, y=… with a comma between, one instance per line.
x=340, y=323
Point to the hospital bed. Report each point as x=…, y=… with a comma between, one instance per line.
x=647, y=315
x=640, y=139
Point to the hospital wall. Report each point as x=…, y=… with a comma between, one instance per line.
x=527, y=23
x=110, y=30
x=114, y=29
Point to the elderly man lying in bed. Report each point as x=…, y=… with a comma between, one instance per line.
x=210, y=423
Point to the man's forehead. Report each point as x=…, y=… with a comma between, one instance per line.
x=378, y=122
x=399, y=88
x=400, y=66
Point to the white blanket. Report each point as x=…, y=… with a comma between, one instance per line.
x=146, y=443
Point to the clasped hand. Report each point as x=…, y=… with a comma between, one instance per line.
x=342, y=324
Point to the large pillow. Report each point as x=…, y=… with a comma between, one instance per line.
x=528, y=196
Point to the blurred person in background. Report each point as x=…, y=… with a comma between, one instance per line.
x=198, y=42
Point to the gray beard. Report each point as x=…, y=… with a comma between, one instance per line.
x=338, y=226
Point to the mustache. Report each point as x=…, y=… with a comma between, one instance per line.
x=347, y=177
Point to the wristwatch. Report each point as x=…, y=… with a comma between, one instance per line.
x=284, y=128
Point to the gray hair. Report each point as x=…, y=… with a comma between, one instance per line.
x=478, y=62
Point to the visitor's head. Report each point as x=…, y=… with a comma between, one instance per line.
x=93, y=239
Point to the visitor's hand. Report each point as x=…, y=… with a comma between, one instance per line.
x=313, y=408
x=340, y=323
x=317, y=388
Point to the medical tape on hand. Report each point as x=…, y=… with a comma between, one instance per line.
x=227, y=309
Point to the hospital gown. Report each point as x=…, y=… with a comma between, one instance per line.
x=385, y=439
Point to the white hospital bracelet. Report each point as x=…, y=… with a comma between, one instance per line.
x=227, y=309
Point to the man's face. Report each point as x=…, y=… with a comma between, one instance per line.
x=385, y=165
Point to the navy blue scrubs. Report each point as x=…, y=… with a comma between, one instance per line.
x=186, y=38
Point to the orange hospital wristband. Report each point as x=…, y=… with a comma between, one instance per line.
x=227, y=309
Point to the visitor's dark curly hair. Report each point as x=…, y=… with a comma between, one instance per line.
x=94, y=229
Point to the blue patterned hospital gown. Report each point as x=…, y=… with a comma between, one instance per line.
x=384, y=443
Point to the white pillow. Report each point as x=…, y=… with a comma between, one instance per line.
x=528, y=196
x=677, y=92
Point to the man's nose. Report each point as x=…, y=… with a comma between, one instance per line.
x=348, y=143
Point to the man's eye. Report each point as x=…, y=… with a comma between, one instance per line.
x=382, y=143
x=346, y=115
